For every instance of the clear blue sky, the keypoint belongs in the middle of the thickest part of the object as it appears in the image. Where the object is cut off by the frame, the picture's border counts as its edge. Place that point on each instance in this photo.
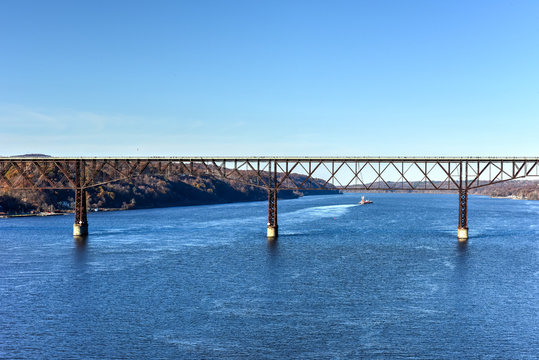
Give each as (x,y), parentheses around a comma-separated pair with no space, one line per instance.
(364,78)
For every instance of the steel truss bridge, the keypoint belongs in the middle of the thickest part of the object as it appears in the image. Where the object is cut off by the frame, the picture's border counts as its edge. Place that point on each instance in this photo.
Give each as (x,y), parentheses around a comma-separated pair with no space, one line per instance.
(272,173)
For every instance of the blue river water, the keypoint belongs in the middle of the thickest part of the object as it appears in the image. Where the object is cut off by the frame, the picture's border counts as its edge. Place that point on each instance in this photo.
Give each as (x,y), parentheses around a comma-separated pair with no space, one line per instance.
(387,280)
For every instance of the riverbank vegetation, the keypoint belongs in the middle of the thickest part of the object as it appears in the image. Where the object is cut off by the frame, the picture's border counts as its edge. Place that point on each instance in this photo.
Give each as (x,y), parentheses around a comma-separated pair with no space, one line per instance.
(516,189)
(145,191)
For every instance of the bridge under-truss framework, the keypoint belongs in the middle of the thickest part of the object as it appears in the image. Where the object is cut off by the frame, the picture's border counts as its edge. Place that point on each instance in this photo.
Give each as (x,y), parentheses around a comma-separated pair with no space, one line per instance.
(272,173)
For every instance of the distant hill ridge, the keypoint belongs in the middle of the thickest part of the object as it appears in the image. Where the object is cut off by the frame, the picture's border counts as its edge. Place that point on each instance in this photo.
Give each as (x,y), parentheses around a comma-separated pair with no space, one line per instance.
(31,155)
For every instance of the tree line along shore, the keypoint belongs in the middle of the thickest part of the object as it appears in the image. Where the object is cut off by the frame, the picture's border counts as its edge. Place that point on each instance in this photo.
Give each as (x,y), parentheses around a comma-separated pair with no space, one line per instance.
(147,191)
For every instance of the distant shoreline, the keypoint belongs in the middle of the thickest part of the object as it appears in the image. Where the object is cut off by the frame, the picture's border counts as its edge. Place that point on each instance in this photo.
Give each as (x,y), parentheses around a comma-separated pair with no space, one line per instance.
(69,212)
(5,216)
(471,192)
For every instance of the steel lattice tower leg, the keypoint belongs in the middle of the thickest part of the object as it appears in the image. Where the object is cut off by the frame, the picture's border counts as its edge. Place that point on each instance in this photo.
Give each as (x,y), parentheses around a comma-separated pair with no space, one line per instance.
(463,215)
(272,214)
(272,203)
(80,227)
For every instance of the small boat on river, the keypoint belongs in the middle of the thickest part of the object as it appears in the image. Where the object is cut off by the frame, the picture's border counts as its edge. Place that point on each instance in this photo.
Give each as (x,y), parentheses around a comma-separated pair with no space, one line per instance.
(364,202)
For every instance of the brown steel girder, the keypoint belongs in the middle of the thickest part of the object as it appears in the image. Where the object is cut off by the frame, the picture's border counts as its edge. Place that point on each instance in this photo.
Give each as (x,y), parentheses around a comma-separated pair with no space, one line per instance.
(405,174)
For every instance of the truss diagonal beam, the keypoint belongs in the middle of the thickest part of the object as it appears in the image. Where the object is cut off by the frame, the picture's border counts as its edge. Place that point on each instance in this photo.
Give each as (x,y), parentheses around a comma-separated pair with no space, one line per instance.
(293,173)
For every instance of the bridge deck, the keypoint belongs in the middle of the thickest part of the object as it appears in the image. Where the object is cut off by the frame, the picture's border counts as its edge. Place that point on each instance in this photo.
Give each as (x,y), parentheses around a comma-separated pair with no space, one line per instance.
(269,158)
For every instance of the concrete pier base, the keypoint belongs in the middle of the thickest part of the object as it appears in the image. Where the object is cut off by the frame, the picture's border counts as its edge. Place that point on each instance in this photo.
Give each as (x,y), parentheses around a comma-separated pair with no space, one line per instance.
(272,232)
(80,230)
(462,234)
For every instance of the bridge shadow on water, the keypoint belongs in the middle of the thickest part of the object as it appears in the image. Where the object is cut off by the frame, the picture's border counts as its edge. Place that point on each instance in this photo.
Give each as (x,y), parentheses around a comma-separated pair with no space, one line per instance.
(81,249)
(462,247)
(80,242)
(273,248)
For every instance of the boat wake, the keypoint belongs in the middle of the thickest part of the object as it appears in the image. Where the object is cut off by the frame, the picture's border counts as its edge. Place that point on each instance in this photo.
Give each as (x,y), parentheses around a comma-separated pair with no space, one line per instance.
(319,212)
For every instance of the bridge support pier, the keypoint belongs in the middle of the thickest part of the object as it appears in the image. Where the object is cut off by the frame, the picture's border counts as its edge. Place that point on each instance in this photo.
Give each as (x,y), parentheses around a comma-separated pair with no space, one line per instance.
(272,215)
(462,234)
(80,227)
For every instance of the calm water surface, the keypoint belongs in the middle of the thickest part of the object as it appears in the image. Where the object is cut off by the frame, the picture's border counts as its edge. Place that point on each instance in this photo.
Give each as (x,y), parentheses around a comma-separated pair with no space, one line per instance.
(343,281)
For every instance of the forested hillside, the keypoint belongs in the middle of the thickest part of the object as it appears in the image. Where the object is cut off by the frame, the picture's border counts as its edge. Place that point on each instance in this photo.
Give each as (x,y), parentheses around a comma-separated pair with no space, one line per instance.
(144,192)
(518,189)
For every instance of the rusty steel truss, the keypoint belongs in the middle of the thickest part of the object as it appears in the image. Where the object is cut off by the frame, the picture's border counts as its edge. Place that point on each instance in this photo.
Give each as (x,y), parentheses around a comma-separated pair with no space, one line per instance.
(272,173)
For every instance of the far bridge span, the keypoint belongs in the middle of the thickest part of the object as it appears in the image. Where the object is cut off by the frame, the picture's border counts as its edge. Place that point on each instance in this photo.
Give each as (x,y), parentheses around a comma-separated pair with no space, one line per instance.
(453,174)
